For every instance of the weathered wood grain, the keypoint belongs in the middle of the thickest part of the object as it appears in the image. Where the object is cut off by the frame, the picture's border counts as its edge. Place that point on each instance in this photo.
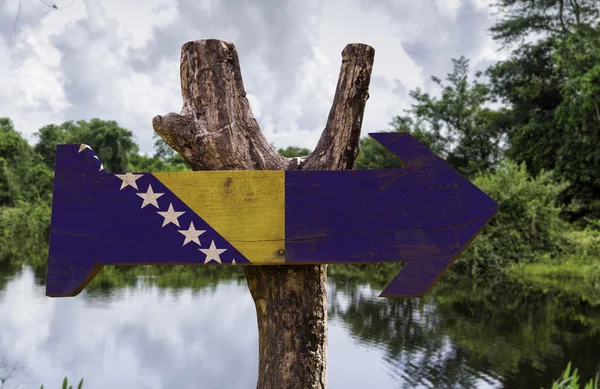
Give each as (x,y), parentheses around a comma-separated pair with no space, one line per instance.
(246,207)
(217,131)
(100,219)
(424,214)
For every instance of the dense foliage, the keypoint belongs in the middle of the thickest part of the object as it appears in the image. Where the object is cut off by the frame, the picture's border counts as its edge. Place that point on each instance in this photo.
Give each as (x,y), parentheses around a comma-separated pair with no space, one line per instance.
(527,228)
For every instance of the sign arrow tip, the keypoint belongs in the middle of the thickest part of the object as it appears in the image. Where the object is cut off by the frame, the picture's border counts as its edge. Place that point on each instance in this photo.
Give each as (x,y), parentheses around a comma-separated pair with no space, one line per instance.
(420,274)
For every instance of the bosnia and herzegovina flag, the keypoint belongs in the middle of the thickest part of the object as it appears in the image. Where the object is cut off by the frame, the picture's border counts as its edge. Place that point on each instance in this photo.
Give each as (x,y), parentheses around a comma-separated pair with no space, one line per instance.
(425,214)
(153,218)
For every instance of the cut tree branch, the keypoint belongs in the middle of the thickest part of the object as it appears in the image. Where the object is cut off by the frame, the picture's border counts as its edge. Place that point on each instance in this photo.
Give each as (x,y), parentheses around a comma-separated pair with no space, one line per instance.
(216,130)
(342,131)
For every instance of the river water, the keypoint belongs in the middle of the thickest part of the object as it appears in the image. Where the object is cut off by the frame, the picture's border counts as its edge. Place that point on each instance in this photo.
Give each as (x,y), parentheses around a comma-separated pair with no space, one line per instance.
(461,335)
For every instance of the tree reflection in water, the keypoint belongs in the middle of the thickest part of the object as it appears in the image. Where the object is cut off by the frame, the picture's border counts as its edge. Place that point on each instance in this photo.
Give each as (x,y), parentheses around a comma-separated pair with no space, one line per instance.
(464,332)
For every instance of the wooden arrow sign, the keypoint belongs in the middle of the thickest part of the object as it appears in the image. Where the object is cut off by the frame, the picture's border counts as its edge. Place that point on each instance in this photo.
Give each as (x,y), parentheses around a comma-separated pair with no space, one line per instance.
(425,214)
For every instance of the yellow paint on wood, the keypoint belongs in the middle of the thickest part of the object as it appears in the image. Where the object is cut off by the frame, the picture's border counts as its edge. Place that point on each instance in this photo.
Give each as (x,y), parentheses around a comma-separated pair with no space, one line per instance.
(246,207)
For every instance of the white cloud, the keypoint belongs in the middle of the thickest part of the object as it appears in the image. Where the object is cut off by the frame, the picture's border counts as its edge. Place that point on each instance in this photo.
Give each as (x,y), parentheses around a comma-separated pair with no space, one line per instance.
(119,60)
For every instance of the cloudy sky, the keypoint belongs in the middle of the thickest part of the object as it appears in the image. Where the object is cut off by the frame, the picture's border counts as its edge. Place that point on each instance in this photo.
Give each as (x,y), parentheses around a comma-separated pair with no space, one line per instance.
(119,60)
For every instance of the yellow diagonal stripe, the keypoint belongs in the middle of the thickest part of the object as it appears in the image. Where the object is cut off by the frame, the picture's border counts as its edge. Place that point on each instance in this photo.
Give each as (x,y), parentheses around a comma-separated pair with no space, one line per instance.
(246,207)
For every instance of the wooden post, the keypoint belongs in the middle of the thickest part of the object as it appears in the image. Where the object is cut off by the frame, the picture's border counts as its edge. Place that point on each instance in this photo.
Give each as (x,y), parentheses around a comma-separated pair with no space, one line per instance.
(216,130)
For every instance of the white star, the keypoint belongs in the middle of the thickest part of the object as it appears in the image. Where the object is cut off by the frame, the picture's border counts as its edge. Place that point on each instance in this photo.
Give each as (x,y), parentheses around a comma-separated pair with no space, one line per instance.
(150,197)
(129,179)
(171,216)
(212,253)
(233,262)
(83,147)
(191,234)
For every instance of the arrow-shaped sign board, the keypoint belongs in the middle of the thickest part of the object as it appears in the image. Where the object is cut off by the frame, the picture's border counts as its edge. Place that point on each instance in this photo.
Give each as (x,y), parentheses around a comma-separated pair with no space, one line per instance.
(425,214)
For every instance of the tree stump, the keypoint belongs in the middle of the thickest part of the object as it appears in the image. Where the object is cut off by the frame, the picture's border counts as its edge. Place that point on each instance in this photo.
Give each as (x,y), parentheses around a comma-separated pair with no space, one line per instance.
(216,130)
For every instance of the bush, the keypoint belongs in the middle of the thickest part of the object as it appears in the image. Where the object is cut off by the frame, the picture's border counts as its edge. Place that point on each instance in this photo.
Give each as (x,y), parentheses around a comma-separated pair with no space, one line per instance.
(586,241)
(527,226)
(25,233)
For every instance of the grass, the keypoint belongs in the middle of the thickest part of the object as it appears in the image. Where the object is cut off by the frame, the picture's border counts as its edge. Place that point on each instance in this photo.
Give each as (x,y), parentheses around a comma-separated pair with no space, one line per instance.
(568,270)
(65,383)
(570,380)
(573,276)
(582,265)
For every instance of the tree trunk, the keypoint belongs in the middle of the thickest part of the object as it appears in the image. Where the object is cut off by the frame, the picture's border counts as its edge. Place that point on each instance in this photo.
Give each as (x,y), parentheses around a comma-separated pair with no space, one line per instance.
(217,131)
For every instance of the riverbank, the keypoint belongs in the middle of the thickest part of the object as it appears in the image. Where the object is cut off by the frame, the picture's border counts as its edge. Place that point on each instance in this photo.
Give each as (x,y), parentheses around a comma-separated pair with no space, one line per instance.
(577,272)
(571,277)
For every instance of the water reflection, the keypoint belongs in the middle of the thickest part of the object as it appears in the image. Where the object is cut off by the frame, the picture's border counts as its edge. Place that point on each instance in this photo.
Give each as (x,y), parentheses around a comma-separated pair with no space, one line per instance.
(471,335)
(417,351)
(461,335)
(141,337)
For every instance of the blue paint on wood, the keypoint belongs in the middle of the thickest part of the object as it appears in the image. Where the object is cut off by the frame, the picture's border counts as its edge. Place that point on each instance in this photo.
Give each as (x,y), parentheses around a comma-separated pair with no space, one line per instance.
(95,223)
(424,214)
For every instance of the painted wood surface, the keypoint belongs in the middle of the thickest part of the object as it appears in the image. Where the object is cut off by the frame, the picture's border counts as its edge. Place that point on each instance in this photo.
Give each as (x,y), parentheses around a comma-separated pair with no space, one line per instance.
(425,214)
(246,207)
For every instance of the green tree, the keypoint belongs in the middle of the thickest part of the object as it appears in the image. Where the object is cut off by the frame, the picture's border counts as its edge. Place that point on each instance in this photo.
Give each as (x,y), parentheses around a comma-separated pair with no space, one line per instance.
(113,144)
(165,153)
(457,126)
(472,133)
(23,175)
(13,147)
(9,185)
(48,137)
(578,56)
(293,151)
(161,148)
(544,84)
(529,85)
(521,19)
(142,163)
(25,191)
(25,233)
